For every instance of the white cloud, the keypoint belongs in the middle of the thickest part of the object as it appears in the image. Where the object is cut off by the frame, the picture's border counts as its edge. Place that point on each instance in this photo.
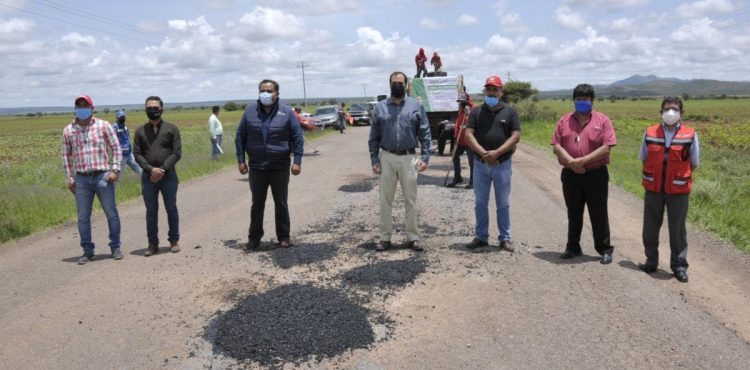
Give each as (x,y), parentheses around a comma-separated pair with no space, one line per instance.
(500,45)
(430,23)
(13,6)
(702,7)
(15,30)
(610,3)
(374,45)
(466,20)
(264,23)
(512,23)
(316,8)
(178,24)
(76,39)
(149,26)
(567,18)
(438,3)
(621,25)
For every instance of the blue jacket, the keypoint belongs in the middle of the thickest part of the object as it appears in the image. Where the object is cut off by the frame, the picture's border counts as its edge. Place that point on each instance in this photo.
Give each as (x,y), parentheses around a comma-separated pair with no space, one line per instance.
(269,139)
(123,134)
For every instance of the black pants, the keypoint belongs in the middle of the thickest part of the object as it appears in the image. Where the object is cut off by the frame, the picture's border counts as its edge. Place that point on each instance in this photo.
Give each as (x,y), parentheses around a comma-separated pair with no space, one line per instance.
(590,190)
(457,162)
(421,71)
(278,180)
(653,217)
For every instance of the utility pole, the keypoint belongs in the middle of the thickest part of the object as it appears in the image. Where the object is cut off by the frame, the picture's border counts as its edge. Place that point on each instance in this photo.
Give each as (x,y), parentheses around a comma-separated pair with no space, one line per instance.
(302,65)
(508,76)
(364,90)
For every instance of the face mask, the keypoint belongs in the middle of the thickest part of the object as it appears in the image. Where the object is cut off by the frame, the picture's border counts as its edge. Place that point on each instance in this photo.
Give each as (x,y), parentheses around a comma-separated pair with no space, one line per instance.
(398,91)
(670,117)
(266,98)
(83,113)
(491,101)
(153,112)
(121,121)
(583,106)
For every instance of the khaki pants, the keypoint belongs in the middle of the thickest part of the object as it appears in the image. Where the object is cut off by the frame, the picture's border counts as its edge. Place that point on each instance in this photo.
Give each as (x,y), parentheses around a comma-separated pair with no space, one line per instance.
(398,169)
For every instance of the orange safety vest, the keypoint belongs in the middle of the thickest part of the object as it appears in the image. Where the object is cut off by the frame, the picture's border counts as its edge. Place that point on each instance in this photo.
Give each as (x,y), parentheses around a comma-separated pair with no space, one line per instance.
(669,166)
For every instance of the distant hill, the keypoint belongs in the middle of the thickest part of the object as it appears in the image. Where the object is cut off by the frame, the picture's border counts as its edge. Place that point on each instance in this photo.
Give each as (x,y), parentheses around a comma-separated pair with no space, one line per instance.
(653,86)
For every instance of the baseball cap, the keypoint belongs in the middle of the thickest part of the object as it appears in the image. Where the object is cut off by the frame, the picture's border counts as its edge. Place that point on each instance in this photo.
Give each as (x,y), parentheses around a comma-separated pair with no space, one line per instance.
(494,81)
(86,98)
(120,113)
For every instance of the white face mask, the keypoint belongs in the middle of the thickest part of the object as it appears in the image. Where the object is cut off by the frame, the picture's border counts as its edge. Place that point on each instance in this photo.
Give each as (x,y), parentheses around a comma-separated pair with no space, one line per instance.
(670,117)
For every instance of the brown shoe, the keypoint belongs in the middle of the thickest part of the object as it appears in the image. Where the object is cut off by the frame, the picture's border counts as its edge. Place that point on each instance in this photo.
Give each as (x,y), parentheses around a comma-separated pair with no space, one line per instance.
(285,243)
(383,245)
(174,247)
(151,250)
(414,245)
(507,245)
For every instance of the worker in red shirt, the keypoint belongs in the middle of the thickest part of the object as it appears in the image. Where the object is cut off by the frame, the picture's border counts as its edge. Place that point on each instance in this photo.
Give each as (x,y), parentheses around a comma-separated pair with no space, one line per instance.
(465,106)
(436,62)
(420,60)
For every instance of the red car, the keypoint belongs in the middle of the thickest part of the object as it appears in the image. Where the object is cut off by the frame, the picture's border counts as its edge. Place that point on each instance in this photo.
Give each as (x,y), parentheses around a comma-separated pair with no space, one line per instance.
(307,123)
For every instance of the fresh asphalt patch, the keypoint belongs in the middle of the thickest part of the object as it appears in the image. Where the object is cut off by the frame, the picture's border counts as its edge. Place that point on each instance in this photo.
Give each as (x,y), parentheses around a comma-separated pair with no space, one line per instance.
(298,254)
(386,274)
(292,323)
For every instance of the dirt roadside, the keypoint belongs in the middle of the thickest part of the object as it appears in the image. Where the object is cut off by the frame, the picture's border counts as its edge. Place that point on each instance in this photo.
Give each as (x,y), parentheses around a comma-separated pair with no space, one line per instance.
(525,310)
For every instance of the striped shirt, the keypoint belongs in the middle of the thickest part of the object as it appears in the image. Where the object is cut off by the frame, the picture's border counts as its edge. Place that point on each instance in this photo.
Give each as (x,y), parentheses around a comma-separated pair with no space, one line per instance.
(87,146)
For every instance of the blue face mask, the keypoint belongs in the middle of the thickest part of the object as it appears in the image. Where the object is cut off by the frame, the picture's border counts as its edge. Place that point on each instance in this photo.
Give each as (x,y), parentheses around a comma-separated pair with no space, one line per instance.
(266,98)
(83,113)
(583,106)
(491,101)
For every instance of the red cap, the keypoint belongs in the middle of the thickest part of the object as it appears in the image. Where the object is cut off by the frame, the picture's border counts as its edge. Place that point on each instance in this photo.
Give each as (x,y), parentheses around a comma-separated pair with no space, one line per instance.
(494,81)
(86,98)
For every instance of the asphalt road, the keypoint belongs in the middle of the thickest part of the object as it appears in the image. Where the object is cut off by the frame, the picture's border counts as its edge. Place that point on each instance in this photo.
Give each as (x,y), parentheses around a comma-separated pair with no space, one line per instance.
(526,310)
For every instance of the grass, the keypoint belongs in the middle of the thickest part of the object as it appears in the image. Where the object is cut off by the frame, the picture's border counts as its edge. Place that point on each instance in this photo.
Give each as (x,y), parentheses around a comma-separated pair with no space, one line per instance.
(720,201)
(33,192)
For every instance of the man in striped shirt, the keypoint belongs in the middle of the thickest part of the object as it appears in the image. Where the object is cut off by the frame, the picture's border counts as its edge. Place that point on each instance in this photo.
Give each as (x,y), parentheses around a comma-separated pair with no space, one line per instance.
(89,171)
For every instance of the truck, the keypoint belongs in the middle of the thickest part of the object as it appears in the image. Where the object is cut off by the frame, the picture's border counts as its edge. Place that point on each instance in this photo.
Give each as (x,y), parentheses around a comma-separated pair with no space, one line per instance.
(439,96)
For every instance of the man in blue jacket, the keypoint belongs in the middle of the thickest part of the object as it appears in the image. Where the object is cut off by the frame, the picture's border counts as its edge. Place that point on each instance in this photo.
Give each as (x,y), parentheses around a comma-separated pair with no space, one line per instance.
(269,132)
(123,134)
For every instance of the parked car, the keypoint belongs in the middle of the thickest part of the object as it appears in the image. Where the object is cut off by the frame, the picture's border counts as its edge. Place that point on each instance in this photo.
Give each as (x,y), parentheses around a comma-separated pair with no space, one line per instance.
(307,122)
(360,114)
(327,115)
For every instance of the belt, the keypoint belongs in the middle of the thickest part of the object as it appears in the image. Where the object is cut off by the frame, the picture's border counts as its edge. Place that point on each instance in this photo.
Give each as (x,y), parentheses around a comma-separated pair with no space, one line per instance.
(401,152)
(90,173)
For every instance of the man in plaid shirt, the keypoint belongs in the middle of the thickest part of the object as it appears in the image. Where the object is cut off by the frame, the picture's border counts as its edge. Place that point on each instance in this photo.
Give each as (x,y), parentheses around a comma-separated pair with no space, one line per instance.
(89,172)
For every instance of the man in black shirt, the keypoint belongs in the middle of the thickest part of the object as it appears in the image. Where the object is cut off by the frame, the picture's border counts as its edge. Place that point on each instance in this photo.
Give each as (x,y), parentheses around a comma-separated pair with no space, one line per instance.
(157,148)
(493,131)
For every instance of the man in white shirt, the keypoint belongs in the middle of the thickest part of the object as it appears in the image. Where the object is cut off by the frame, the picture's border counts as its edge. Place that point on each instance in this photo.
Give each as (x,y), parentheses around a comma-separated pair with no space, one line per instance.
(216,132)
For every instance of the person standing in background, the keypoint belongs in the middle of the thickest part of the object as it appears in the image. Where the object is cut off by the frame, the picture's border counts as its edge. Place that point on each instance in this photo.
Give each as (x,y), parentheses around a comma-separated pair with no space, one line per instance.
(123,135)
(216,131)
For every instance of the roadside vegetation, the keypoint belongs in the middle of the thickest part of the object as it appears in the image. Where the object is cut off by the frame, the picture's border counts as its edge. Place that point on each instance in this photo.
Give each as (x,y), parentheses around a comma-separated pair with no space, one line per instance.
(33,192)
(720,201)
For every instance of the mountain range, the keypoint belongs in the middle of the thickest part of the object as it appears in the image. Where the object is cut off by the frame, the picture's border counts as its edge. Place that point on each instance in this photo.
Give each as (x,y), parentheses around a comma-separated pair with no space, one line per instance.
(654,86)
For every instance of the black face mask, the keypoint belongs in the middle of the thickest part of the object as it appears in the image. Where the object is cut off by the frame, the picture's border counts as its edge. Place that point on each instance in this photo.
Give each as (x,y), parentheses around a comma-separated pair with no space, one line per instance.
(153,113)
(121,121)
(398,91)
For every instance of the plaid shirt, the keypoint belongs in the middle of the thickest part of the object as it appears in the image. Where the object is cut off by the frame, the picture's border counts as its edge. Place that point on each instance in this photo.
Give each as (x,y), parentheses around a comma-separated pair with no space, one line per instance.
(87,146)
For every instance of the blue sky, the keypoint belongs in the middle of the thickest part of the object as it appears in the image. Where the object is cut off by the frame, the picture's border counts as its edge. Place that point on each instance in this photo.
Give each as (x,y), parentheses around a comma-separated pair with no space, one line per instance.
(121,52)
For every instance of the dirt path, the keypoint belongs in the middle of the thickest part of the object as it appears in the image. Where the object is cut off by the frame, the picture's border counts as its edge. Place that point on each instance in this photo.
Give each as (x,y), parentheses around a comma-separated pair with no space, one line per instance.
(527,310)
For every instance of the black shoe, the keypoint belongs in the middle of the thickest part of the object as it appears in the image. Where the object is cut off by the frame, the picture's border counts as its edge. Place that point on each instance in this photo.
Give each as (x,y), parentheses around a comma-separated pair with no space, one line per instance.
(252,244)
(476,244)
(85,259)
(470,185)
(383,245)
(681,276)
(647,269)
(568,254)
(414,245)
(455,182)
(606,258)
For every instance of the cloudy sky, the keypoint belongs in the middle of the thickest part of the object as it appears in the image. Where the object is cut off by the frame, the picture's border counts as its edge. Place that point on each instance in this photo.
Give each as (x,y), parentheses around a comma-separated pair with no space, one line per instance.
(198,50)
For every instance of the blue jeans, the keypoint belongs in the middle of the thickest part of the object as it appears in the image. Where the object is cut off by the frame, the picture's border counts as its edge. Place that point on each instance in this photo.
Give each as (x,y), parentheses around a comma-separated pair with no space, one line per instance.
(129,159)
(86,188)
(484,176)
(168,188)
(215,145)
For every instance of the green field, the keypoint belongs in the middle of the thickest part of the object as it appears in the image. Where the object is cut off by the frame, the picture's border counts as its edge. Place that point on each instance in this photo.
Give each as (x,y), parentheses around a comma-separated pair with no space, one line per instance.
(33,192)
(720,201)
